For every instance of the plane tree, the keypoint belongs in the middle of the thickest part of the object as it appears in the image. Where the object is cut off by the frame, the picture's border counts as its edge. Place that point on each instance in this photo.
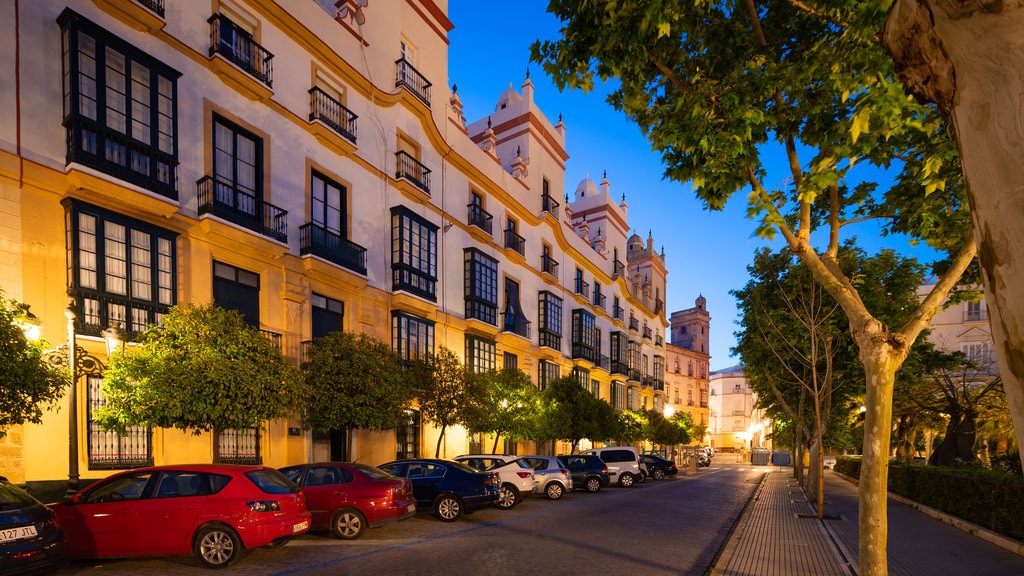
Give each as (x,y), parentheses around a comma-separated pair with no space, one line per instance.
(508,407)
(722,89)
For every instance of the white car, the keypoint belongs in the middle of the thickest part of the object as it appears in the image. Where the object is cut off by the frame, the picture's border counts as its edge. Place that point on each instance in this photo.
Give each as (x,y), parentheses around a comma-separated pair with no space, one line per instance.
(516,476)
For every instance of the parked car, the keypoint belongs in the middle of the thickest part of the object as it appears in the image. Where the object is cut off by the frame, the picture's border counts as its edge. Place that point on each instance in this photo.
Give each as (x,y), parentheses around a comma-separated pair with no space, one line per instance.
(213,511)
(515,475)
(658,467)
(588,472)
(448,488)
(552,479)
(31,540)
(624,465)
(347,498)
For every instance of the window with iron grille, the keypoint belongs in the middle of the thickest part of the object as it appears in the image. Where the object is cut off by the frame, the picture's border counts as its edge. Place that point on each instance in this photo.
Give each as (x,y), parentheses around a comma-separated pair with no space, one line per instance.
(413,254)
(411,336)
(480,354)
(328,315)
(120,107)
(240,446)
(109,450)
(549,318)
(237,289)
(407,436)
(546,372)
(121,271)
(481,289)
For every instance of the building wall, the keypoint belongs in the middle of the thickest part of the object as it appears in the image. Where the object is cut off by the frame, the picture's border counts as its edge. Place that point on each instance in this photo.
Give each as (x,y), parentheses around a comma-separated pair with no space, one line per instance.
(507,164)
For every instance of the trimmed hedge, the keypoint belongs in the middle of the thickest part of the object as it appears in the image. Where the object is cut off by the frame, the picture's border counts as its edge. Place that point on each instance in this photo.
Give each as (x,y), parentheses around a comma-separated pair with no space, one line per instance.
(988,498)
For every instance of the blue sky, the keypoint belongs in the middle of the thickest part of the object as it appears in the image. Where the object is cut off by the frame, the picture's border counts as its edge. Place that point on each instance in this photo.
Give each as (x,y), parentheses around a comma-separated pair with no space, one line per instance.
(706,252)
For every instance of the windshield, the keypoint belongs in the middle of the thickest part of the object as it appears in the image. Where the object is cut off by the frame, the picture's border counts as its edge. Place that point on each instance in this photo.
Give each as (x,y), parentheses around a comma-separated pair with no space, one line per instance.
(14,498)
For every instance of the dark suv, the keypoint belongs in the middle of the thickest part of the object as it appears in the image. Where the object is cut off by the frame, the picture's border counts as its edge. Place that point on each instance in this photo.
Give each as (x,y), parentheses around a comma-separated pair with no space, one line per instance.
(588,472)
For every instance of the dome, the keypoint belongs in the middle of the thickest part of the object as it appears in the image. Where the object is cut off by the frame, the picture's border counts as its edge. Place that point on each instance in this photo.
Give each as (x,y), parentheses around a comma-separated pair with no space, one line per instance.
(508,97)
(586,187)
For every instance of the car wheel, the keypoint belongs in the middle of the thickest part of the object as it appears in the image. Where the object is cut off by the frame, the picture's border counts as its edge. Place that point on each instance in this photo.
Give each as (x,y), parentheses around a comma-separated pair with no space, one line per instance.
(348,524)
(626,480)
(554,491)
(216,546)
(448,508)
(658,474)
(593,484)
(508,497)
(641,477)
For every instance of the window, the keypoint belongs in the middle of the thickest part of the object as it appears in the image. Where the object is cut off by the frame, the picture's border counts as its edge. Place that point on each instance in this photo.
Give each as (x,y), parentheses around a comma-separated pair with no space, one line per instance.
(481,274)
(238,172)
(328,315)
(977,352)
(633,359)
(480,354)
(477,215)
(237,289)
(618,395)
(547,371)
(973,312)
(120,107)
(514,319)
(581,375)
(659,372)
(238,447)
(549,318)
(413,254)
(618,353)
(595,388)
(122,271)
(582,287)
(632,398)
(512,238)
(510,361)
(328,205)
(411,336)
(109,450)
(407,436)
(584,336)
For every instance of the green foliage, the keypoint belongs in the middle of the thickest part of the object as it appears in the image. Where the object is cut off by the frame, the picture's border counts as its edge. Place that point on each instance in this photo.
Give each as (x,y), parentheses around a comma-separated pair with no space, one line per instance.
(572,413)
(28,385)
(205,368)
(355,381)
(631,426)
(667,431)
(509,406)
(447,391)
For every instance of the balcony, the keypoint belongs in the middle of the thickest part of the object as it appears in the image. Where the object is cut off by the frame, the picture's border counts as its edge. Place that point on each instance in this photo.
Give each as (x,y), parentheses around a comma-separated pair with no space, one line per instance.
(480,218)
(319,241)
(659,340)
(408,77)
(515,242)
(587,353)
(274,337)
(659,305)
(549,205)
(618,313)
(410,169)
(647,333)
(516,325)
(618,268)
(236,45)
(324,108)
(114,153)
(549,339)
(548,265)
(634,324)
(634,375)
(582,288)
(599,300)
(603,362)
(619,367)
(238,206)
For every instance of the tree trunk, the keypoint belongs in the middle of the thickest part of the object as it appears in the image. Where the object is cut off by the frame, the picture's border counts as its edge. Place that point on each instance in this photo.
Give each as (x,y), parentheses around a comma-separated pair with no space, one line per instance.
(494,448)
(440,439)
(968,58)
(880,369)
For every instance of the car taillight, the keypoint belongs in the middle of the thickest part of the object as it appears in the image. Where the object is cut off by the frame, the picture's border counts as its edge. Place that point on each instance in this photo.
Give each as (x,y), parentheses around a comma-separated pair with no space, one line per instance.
(524,474)
(263,505)
(491,480)
(604,469)
(564,472)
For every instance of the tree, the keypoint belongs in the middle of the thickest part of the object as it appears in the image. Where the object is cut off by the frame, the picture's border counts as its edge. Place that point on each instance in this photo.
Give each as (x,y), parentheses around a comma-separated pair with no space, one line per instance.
(714,86)
(204,369)
(631,424)
(667,431)
(355,381)
(510,406)
(28,384)
(572,413)
(447,393)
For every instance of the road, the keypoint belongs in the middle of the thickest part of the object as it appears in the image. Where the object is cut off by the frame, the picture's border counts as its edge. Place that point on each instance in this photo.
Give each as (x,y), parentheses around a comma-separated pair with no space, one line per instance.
(675,526)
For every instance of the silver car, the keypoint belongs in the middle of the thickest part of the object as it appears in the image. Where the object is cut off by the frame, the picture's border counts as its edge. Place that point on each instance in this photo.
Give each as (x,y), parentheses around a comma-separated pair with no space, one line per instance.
(553,479)
(516,476)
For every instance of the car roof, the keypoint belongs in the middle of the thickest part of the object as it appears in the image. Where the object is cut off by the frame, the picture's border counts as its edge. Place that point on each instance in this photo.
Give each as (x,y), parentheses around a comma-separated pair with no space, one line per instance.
(201,468)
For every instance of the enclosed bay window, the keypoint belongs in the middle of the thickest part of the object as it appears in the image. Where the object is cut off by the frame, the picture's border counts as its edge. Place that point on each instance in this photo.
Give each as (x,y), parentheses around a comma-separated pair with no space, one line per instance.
(481,354)
(481,288)
(411,336)
(413,254)
(549,320)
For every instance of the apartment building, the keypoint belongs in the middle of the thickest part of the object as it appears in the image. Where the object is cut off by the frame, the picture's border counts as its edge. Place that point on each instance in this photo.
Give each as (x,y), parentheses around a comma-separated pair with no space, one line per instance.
(736,424)
(687,381)
(308,164)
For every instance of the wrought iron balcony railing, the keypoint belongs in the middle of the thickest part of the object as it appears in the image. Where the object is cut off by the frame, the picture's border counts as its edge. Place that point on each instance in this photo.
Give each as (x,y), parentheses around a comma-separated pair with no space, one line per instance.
(618,313)
(155,6)
(410,169)
(549,265)
(479,217)
(549,338)
(324,108)
(515,242)
(659,340)
(634,324)
(583,288)
(274,337)
(600,300)
(659,304)
(516,325)
(226,201)
(408,77)
(236,45)
(618,268)
(549,205)
(604,362)
(585,352)
(319,241)
(647,332)
(619,367)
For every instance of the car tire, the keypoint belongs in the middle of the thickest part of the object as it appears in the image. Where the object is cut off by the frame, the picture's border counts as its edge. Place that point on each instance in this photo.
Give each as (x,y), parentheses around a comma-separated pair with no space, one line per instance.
(348,524)
(448,508)
(593,484)
(216,546)
(554,491)
(627,480)
(508,497)
(658,474)
(641,477)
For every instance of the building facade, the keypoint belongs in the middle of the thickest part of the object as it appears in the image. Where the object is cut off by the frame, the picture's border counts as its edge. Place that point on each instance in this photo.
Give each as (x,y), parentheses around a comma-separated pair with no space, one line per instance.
(308,164)
(736,424)
(687,383)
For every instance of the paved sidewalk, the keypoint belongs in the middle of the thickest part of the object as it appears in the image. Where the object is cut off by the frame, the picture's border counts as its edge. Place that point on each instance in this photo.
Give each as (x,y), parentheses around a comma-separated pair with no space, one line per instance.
(779,535)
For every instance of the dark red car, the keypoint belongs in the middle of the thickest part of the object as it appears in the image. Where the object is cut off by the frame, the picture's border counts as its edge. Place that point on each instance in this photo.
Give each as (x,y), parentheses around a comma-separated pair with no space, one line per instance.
(349,498)
(213,511)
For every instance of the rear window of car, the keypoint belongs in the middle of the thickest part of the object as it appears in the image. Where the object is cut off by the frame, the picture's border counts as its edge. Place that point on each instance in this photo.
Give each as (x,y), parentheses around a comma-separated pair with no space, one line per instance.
(271,481)
(372,472)
(14,498)
(618,456)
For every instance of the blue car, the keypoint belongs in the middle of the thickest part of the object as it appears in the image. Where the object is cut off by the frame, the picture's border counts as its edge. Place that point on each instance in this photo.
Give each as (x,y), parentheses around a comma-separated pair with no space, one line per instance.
(31,542)
(448,488)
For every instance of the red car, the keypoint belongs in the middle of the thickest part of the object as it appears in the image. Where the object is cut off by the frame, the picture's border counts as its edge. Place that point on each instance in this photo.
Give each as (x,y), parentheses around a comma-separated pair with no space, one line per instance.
(348,498)
(213,511)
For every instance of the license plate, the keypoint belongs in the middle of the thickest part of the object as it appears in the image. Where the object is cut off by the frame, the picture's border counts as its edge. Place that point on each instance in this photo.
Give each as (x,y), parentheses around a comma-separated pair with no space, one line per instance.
(410,508)
(300,526)
(18,533)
